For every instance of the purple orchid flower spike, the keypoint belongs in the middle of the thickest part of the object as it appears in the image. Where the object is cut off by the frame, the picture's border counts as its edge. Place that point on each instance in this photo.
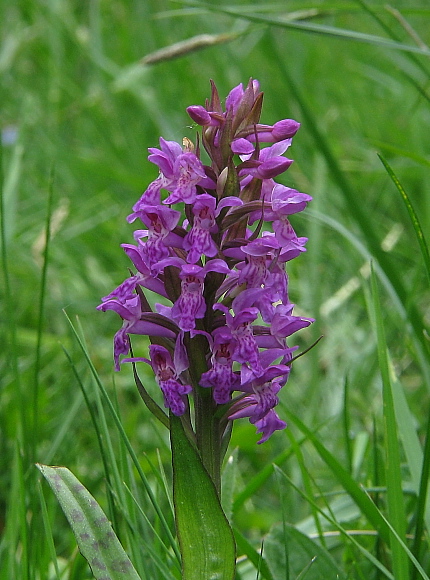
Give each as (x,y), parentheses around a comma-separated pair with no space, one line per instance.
(220,332)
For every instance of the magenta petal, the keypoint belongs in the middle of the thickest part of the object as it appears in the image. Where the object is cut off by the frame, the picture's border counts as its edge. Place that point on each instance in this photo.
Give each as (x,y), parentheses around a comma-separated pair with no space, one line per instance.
(268,425)
(242,147)
(285,129)
(273,167)
(199,115)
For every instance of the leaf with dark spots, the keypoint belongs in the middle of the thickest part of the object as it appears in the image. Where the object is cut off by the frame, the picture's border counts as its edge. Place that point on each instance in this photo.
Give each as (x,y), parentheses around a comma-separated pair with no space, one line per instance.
(93,531)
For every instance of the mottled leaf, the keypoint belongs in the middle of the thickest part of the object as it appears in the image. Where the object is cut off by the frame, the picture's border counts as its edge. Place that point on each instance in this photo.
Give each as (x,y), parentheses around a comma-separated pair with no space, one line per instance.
(96,539)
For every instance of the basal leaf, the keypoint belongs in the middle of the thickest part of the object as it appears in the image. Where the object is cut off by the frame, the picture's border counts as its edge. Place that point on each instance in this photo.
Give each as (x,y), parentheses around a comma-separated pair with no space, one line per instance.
(96,539)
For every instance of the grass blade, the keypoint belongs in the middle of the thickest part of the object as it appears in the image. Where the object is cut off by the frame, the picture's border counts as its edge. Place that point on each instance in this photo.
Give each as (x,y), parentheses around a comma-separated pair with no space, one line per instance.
(357,493)
(396,508)
(40,322)
(305,558)
(306,478)
(127,443)
(368,555)
(164,567)
(418,462)
(390,32)
(261,477)
(48,531)
(355,208)
(286,22)
(421,511)
(376,563)
(413,216)
(244,547)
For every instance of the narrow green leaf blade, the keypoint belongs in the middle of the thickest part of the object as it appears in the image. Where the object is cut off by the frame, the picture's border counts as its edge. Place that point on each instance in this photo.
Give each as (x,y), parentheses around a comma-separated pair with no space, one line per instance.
(245,547)
(395,500)
(205,536)
(122,434)
(306,559)
(94,534)
(291,21)
(334,522)
(412,215)
(229,476)
(257,481)
(355,490)
(418,462)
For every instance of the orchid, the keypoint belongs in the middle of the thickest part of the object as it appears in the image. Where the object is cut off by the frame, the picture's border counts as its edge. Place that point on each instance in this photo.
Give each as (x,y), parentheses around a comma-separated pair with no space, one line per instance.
(223,273)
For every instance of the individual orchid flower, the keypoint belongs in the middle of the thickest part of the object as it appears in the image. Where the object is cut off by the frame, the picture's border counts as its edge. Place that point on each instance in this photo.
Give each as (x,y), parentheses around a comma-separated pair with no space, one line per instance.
(188,172)
(259,408)
(199,240)
(130,310)
(166,376)
(191,304)
(246,349)
(221,376)
(160,221)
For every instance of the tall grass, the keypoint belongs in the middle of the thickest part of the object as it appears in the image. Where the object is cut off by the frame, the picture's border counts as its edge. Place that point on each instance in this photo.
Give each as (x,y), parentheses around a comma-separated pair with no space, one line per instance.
(79,110)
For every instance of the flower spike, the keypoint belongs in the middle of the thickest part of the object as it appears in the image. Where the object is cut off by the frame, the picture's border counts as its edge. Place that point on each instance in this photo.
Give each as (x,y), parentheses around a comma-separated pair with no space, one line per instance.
(220,334)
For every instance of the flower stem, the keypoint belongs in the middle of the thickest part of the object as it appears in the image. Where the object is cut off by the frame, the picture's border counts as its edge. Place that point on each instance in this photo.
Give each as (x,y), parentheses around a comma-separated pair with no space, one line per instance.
(207,426)
(208,434)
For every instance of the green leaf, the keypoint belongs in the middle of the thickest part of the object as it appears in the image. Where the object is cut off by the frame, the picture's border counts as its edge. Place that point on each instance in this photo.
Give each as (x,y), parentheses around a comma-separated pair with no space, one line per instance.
(418,462)
(306,559)
(412,215)
(375,562)
(355,209)
(229,476)
(355,490)
(122,434)
(245,547)
(294,20)
(395,500)
(205,536)
(48,531)
(259,479)
(94,534)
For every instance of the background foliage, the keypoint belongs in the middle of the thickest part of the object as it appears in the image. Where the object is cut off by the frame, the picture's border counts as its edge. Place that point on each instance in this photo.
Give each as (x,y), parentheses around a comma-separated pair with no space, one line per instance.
(79,110)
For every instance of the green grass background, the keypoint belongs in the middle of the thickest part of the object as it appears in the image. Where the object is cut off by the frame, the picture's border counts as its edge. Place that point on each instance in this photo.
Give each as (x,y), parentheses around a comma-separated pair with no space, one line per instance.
(84,110)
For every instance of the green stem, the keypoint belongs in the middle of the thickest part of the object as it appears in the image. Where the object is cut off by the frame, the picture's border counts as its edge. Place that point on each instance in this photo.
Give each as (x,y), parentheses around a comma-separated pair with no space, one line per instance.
(207,426)
(208,434)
